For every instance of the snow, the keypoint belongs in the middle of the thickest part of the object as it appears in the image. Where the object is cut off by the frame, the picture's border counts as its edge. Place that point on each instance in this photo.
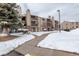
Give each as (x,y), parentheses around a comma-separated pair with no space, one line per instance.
(41,33)
(3,34)
(66,41)
(17,34)
(28,54)
(7,46)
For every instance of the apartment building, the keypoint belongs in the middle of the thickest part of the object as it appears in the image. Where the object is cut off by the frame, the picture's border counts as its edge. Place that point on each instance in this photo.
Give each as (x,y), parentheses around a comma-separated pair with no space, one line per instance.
(69,25)
(35,23)
(49,23)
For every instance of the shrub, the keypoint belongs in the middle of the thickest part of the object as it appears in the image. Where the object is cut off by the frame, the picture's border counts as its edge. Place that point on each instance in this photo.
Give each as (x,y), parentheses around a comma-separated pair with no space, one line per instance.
(66,30)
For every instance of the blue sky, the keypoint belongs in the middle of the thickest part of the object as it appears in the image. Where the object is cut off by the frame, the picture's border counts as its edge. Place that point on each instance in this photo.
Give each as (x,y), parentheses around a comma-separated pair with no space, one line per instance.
(69,11)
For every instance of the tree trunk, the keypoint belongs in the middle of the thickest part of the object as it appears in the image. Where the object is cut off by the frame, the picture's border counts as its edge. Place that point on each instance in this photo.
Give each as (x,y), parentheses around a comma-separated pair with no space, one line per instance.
(5,31)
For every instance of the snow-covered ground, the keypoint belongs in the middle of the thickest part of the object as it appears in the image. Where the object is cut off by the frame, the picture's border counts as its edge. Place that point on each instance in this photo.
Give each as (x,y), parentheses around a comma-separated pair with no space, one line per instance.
(41,33)
(17,34)
(28,54)
(67,41)
(7,46)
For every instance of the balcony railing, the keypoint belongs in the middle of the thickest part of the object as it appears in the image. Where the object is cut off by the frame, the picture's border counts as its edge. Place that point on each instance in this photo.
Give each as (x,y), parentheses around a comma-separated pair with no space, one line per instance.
(34,23)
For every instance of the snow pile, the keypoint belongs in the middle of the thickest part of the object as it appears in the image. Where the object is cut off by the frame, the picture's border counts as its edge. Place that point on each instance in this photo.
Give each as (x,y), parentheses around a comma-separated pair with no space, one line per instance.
(76,30)
(7,46)
(3,34)
(67,41)
(41,33)
(17,34)
(28,54)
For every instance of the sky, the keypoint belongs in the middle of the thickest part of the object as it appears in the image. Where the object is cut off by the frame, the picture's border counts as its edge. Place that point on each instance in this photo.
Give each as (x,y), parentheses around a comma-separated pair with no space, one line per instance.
(68,11)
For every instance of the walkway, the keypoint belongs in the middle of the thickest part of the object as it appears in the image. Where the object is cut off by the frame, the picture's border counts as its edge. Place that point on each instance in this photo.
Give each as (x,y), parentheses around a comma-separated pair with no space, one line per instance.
(31,48)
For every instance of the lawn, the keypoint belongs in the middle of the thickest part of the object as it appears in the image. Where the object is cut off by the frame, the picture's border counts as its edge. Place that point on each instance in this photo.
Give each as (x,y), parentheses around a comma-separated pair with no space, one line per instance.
(6,38)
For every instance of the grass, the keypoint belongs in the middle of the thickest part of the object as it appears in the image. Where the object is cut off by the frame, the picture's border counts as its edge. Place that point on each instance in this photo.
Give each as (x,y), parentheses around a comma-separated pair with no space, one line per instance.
(6,38)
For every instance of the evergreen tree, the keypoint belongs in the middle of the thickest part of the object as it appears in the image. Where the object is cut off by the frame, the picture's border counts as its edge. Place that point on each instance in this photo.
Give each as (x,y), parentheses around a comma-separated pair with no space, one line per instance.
(9,18)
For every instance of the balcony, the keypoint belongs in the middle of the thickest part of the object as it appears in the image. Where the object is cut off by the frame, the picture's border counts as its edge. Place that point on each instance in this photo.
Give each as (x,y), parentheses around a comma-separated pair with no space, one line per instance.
(34,17)
(34,23)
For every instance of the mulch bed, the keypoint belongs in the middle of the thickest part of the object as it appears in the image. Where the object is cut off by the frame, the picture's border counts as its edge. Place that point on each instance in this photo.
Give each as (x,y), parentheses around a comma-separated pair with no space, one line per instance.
(6,38)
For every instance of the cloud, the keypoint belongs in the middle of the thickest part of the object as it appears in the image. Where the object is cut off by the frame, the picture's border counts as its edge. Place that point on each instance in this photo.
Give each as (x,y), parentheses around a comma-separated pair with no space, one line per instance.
(69,11)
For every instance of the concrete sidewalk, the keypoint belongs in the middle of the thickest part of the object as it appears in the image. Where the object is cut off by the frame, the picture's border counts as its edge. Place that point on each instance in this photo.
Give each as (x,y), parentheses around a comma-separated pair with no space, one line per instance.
(31,47)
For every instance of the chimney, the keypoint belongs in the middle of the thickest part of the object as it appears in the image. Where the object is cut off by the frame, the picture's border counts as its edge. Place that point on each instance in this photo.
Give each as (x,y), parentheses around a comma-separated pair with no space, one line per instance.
(49,17)
(52,17)
(28,10)
(28,19)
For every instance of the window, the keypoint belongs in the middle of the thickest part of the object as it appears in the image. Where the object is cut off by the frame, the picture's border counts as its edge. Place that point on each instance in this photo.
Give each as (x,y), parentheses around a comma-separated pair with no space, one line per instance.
(43,19)
(76,26)
(76,23)
(34,29)
(73,27)
(34,23)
